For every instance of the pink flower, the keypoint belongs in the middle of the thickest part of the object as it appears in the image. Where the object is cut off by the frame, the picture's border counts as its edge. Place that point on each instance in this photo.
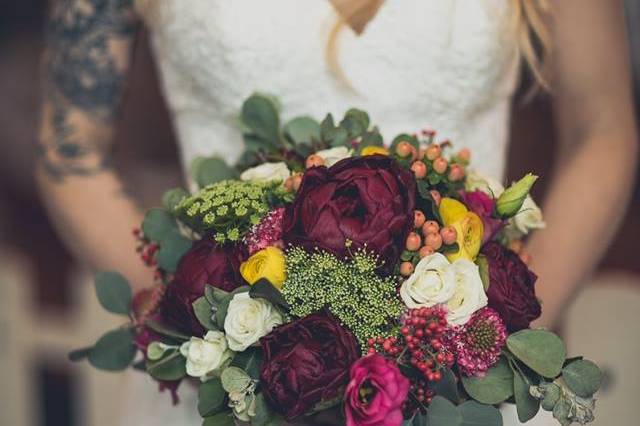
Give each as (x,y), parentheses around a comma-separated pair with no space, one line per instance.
(266,233)
(478,343)
(483,205)
(376,392)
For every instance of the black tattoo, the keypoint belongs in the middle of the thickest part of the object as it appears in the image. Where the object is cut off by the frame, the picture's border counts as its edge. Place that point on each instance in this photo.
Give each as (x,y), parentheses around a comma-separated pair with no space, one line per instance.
(84,77)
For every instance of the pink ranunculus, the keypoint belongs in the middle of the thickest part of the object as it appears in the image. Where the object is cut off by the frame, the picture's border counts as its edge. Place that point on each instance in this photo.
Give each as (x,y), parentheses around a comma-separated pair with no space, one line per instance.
(375,393)
(483,205)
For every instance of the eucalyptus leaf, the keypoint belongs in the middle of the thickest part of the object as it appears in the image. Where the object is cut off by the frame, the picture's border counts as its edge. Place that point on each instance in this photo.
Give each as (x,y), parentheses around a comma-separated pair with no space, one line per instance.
(170,367)
(443,413)
(158,224)
(260,114)
(250,361)
(583,377)
(265,290)
(494,387)
(526,405)
(165,330)
(446,387)
(208,170)
(235,379)
(79,354)
(172,197)
(114,292)
(302,130)
(114,351)
(476,414)
(204,313)
(172,248)
(156,350)
(540,350)
(211,398)
(327,128)
(263,416)
(214,295)
(221,419)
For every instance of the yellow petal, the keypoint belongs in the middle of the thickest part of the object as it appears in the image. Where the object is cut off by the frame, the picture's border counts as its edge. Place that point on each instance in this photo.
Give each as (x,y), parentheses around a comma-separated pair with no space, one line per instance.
(371,150)
(451,210)
(470,230)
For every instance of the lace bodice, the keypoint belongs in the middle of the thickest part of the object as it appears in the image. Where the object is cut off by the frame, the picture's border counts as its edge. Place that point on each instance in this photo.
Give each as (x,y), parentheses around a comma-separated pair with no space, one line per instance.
(449,64)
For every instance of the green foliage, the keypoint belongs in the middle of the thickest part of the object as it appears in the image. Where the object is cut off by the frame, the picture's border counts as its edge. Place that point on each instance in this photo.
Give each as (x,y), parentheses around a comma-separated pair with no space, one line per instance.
(495,387)
(221,419)
(171,366)
(443,413)
(81,354)
(160,226)
(172,197)
(302,130)
(526,405)
(208,170)
(263,289)
(260,117)
(250,361)
(114,351)
(211,398)
(447,387)
(114,292)
(264,416)
(166,331)
(483,268)
(228,209)
(171,251)
(583,377)
(235,379)
(350,289)
(540,350)
(203,311)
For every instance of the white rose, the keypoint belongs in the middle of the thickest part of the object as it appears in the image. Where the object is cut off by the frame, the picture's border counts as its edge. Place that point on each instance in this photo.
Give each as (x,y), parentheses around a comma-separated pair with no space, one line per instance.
(205,355)
(333,155)
(528,217)
(248,320)
(478,182)
(267,172)
(432,282)
(469,295)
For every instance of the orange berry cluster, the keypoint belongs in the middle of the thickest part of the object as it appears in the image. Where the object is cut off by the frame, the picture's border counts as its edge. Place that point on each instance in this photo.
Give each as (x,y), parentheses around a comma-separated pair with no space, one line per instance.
(430,158)
(427,238)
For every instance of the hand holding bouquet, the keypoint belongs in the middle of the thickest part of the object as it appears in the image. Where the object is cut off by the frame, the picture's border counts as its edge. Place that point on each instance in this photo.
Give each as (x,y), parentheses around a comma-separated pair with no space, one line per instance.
(329,270)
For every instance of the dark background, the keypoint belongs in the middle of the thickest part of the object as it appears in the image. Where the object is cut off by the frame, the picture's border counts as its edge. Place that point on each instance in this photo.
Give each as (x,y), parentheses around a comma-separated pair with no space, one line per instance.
(146,153)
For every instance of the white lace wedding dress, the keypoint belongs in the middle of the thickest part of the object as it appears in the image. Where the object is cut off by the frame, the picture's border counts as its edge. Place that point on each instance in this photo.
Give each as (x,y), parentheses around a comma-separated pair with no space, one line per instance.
(450,64)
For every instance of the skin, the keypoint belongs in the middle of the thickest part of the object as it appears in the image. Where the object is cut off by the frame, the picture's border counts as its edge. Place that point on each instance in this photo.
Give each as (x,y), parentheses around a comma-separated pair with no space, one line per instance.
(596,128)
(598,150)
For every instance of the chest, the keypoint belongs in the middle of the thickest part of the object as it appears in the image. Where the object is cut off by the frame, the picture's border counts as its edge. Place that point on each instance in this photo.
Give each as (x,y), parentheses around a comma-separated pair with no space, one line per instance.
(414,52)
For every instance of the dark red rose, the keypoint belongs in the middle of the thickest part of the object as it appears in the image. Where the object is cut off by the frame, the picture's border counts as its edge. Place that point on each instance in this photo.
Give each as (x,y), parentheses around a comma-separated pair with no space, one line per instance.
(367,200)
(204,263)
(511,287)
(306,362)
(483,205)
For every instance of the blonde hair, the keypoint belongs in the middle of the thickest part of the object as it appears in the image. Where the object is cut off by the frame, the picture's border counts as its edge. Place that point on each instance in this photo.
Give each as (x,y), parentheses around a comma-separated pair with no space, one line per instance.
(529,22)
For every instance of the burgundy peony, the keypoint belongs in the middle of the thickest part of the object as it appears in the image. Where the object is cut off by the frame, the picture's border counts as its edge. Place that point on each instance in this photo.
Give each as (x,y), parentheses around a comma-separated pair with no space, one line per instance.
(367,200)
(511,287)
(306,362)
(376,392)
(483,205)
(204,263)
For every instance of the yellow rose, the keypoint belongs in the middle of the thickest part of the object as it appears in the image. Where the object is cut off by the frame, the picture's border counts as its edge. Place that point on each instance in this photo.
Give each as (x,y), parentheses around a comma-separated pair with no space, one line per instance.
(267,263)
(372,150)
(468,226)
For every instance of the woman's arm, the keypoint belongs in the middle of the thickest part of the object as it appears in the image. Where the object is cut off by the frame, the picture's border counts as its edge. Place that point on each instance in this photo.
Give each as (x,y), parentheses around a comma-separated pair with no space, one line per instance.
(88,52)
(597,158)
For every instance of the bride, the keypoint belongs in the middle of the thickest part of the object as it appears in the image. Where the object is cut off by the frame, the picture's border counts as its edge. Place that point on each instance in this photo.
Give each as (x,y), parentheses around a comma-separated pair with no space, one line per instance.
(451,64)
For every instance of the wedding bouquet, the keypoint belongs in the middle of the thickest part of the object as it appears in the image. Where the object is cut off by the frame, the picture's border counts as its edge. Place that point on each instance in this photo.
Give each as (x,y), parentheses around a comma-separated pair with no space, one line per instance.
(328,270)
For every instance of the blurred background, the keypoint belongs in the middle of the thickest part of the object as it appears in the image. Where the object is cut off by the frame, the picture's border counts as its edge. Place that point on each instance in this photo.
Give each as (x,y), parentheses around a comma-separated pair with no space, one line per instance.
(47,305)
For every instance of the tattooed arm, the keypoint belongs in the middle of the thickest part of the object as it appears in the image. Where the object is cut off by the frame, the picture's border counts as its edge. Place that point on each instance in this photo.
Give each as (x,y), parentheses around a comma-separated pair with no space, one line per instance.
(88,52)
